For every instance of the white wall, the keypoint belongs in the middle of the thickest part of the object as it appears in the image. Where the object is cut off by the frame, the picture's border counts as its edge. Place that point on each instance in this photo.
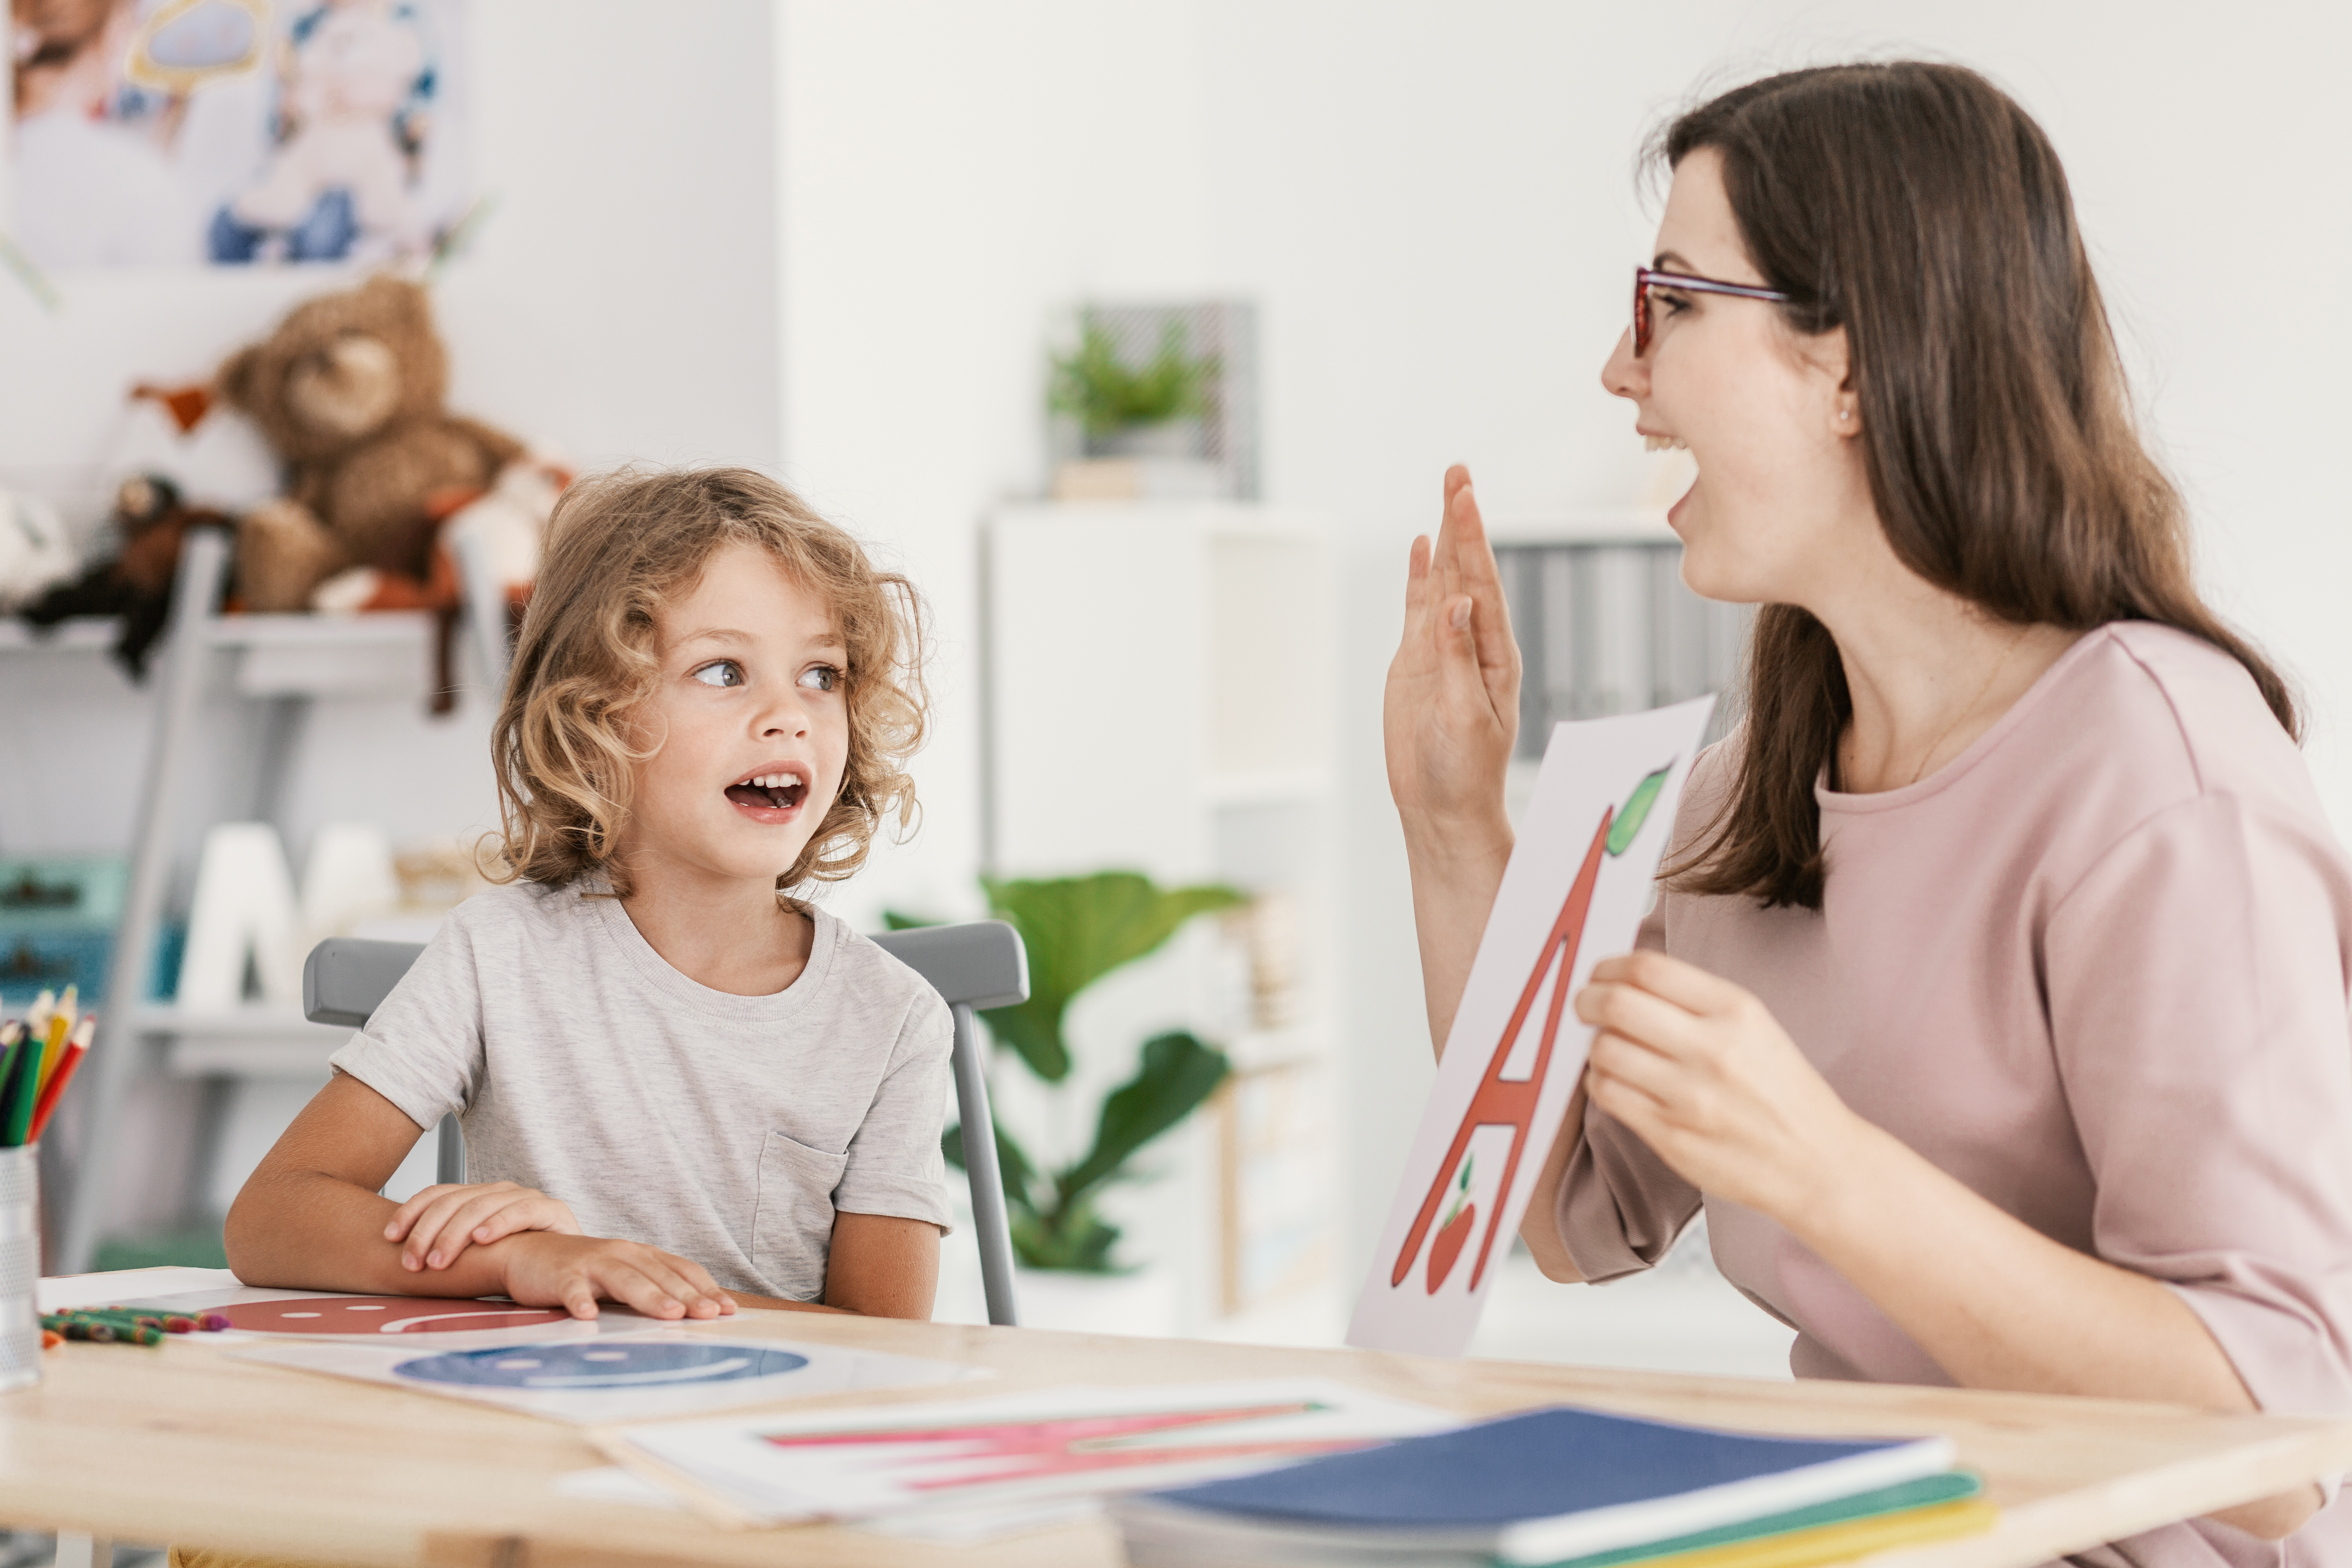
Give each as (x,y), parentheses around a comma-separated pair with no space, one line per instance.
(1435,208)
(621,303)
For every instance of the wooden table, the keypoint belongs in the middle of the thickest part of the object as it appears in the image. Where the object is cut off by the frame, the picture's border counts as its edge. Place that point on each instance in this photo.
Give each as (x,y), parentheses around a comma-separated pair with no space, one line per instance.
(178,1444)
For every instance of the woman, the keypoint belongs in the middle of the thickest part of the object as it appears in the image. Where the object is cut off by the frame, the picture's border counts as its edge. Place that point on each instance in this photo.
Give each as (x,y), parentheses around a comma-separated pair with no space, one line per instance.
(1995,1006)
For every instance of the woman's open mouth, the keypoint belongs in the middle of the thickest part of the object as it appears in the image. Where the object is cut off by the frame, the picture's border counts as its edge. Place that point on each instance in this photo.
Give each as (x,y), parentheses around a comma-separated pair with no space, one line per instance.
(769,797)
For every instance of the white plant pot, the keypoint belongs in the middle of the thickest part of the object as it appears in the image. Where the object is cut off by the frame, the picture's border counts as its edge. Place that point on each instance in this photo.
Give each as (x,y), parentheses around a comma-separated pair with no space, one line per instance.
(1144,1302)
(1169,439)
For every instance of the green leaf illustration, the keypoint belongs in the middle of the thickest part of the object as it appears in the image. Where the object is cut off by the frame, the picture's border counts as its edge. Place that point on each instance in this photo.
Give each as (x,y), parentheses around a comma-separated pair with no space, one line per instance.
(1628,826)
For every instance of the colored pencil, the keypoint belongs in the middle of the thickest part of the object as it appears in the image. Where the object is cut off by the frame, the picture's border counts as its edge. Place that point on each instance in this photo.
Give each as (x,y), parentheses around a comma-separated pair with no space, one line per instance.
(54,1045)
(13,1041)
(17,1094)
(54,1089)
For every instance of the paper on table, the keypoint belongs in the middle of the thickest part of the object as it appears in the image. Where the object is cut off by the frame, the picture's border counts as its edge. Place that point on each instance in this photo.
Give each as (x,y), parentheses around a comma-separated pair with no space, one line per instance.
(1574,893)
(456,1323)
(622,1377)
(1009,1452)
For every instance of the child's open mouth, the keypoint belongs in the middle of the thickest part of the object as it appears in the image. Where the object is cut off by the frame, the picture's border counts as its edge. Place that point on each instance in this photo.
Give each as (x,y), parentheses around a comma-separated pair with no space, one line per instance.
(769,797)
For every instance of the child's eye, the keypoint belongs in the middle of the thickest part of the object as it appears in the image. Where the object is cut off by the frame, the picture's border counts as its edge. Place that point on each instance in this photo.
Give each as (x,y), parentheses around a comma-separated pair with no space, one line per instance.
(720,672)
(821,678)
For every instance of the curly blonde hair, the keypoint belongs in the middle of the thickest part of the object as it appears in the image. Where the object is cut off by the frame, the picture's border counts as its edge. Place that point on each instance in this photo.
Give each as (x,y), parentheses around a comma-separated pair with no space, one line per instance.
(620,547)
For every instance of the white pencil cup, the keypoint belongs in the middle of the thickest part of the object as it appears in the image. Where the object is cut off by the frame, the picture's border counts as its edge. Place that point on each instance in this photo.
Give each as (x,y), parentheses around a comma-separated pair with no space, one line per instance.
(20,1268)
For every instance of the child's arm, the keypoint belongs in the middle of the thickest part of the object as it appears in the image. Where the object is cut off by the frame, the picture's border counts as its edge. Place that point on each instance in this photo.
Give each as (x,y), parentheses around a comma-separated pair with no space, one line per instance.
(879,1266)
(310,1218)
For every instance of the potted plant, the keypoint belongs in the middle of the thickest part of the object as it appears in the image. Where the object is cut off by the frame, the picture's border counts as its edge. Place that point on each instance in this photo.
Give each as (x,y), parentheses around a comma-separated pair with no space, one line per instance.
(1130,411)
(1077,930)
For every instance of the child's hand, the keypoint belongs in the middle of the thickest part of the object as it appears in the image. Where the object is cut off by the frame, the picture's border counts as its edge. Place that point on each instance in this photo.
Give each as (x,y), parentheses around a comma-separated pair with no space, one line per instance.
(573,1271)
(441,1222)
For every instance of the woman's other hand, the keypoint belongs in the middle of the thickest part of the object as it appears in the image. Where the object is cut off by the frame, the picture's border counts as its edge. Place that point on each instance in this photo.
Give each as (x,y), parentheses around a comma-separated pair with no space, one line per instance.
(440,1222)
(1704,1075)
(1449,718)
(1451,713)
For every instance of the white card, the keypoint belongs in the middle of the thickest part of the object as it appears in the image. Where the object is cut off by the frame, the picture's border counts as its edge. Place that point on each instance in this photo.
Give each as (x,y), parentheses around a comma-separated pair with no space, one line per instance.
(1574,893)
(632,1377)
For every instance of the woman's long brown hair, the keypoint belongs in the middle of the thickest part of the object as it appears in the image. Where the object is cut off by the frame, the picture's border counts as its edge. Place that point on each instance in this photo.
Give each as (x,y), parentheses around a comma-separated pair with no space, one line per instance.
(1918,207)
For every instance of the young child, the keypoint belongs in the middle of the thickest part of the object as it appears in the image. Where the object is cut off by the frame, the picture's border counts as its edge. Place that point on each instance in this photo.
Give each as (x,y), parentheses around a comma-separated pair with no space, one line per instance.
(681,1087)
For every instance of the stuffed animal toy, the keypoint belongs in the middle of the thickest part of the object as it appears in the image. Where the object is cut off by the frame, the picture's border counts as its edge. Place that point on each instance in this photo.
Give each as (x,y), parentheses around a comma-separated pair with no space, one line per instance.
(348,392)
(34,550)
(136,585)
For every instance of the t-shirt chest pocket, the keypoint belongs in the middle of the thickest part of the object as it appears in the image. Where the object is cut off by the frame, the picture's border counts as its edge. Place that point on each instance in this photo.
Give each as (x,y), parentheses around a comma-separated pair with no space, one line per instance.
(791,1226)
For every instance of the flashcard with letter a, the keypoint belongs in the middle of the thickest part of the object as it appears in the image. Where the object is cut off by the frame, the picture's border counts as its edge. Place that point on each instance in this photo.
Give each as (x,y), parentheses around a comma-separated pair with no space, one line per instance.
(1574,893)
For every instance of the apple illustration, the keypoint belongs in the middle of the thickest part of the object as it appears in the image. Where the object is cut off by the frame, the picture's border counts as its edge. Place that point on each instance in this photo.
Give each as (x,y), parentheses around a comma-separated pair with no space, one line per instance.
(1455,1233)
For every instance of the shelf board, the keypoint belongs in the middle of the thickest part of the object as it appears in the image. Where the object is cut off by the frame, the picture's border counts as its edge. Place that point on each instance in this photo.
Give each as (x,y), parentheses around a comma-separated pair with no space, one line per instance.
(246,1021)
(373,628)
(78,634)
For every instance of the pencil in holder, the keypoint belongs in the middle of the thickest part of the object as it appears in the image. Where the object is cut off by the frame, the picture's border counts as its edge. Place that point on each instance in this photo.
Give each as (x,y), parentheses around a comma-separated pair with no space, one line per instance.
(20,1268)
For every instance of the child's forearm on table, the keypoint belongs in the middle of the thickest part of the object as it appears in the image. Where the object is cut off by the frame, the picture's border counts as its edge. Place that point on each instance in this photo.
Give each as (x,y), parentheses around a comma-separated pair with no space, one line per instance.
(311,1231)
(786,1304)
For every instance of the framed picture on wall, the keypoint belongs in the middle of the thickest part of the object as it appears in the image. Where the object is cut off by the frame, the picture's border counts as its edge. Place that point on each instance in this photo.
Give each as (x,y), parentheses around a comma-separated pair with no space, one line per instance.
(235,133)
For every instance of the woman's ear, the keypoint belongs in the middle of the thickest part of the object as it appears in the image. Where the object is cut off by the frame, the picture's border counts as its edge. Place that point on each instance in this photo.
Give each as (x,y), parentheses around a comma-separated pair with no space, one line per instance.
(1832,367)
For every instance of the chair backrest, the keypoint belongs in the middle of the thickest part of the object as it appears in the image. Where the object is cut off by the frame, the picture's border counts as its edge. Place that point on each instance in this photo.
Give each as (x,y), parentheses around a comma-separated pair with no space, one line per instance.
(982,964)
(979,965)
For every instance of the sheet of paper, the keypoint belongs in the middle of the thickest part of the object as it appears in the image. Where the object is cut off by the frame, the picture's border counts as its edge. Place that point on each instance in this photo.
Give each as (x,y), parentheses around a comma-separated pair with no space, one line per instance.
(457,1323)
(1574,893)
(978,1467)
(639,1376)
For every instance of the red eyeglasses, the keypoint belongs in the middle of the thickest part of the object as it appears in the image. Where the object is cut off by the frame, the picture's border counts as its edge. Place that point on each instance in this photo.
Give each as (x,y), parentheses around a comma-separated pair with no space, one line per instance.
(1646,278)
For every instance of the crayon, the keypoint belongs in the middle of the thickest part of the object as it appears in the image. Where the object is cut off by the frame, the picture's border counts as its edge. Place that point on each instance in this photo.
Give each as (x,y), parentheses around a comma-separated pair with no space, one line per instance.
(51,1339)
(214,1322)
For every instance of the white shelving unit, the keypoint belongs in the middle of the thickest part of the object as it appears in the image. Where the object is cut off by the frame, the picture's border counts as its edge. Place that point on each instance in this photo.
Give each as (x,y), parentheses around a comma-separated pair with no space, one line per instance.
(283,661)
(1161,693)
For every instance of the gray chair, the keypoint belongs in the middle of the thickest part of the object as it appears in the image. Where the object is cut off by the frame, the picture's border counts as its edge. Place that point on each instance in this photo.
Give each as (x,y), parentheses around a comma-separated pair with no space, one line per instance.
(971,966)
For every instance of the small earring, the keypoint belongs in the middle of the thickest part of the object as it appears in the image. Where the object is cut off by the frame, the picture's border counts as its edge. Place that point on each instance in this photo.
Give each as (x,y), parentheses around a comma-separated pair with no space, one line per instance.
(1844,414)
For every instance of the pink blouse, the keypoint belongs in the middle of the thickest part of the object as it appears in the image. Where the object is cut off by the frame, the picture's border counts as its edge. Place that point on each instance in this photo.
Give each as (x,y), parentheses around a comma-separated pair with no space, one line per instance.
(2096,968)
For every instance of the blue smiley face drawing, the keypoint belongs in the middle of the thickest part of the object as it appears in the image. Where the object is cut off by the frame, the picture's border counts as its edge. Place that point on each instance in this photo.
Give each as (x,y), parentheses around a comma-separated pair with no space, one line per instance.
(601,1363)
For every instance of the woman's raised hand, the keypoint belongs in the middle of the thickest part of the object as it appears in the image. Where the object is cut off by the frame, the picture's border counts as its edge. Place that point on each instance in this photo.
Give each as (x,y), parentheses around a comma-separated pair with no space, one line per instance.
(1451,712)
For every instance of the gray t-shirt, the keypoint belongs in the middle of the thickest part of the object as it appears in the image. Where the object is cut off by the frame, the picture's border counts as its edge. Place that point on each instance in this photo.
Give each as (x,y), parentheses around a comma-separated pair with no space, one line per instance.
(725,1128)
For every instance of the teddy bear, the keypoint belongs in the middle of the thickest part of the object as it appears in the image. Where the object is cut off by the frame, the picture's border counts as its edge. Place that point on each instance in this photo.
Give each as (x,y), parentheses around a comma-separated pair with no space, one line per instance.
(348,392)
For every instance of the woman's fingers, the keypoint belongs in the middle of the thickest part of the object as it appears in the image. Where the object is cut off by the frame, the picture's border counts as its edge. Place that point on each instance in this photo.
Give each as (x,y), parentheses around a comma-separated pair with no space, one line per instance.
(1629,1102)
(1476,574)
(1616,1058)
(1684,984)
(1642,1017)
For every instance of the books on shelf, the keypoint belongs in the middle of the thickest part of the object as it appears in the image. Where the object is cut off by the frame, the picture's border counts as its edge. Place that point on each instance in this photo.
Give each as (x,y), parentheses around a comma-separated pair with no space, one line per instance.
(1567,1488)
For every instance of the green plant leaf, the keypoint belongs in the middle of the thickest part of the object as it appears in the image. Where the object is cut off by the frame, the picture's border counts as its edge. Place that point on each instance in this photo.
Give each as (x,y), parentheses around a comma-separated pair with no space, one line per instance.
(1076,1240)
(1636,810)
(1177,1073)
(893,920)
(1107,394)
(1077,930)
(1018,1176)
